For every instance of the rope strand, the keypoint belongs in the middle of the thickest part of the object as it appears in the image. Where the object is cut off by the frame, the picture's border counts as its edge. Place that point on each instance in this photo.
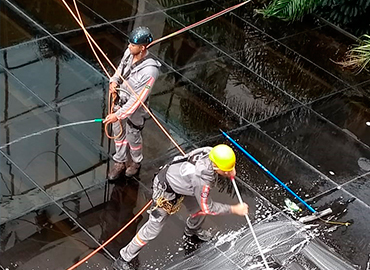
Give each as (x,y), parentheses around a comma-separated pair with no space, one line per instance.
(110,239)
(93,43)
(124,81)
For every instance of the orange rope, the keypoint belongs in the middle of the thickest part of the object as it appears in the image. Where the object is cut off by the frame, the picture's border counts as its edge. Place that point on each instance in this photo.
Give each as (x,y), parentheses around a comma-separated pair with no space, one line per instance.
(92,42)
(110,103)
(214,16)
(124,81)
(110,239)
(90,39)
(110,109)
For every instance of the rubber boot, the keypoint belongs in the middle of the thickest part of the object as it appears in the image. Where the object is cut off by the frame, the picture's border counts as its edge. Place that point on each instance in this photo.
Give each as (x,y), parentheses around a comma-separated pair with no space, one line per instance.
(202,234)
(116,170)
(132,169)
(121,264)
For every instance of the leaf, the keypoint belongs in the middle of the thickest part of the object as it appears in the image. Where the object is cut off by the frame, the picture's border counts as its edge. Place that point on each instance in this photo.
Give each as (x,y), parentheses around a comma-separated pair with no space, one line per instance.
(289,10)
(358,58)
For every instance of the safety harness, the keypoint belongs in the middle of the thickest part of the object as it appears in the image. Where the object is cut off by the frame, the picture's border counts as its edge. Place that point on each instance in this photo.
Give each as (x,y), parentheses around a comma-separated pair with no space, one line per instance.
(170,206)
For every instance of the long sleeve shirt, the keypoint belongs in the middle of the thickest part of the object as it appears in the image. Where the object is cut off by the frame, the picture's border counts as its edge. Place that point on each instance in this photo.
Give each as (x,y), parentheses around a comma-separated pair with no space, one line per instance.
(140,76)
(196,180)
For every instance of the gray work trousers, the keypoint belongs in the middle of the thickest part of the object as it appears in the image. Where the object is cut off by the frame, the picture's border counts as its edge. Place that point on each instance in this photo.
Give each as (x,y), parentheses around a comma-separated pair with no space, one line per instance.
(157,219)
(130,142)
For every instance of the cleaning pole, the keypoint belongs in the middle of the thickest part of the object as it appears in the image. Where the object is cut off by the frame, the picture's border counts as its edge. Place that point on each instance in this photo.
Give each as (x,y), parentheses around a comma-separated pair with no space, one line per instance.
(314,216)
(249,223)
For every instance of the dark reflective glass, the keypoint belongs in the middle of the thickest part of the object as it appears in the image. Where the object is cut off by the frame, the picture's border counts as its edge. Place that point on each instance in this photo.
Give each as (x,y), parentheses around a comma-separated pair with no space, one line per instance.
(274,86)
(51,71)
(15,28)
(46,238)
(53,16)
(320,145)
(18,194)
(359,187)
(349,110)
(347,207)
(118,10)
(18,102)
(273,27)
(290,72)
(282,163)
(230,32)
(330,49)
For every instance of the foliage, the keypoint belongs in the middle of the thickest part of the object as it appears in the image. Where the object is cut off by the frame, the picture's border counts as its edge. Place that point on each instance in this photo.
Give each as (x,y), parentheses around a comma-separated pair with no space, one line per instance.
(348,14)
(358,58)
(288,10)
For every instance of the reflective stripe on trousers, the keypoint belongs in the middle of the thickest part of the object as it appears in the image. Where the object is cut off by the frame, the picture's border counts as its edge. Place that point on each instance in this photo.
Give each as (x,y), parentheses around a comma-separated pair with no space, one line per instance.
(130,141)
(157,220)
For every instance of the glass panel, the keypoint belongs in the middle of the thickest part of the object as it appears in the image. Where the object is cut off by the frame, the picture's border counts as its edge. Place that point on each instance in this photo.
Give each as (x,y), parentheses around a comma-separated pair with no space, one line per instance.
(18,194)
(349,110)
(54,156)
(118,10)
(190,109)
(52,72)
(317,141)
(36,240)
(330,49)
(240,72)
(14,28)
(228,32)
(54,16)
(297,174)
(347,207)
(359,187)
(17,101)
(165,4)
(110,39)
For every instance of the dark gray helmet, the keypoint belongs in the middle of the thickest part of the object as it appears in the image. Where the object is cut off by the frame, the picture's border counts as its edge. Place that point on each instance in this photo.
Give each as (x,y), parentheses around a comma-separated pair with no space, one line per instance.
(140,36)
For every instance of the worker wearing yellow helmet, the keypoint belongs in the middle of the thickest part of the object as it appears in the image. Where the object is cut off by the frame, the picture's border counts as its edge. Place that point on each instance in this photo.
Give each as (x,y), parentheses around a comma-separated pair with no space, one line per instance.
(223,158)
(185,180)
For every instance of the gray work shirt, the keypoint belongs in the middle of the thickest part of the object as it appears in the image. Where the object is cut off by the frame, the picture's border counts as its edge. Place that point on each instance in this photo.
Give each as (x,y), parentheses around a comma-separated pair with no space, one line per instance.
(141,77)
(197,180)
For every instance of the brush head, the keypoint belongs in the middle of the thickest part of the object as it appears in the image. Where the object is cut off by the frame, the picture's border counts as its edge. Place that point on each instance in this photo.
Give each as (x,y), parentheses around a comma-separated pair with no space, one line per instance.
(316,215)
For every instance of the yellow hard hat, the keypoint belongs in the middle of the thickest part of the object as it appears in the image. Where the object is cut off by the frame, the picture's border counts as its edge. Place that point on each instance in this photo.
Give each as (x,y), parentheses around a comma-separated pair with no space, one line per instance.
(223,156)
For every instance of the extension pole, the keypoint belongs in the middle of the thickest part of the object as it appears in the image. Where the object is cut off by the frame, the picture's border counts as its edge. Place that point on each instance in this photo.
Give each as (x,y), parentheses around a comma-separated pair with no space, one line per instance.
(315,215)
(249,223)
(267,171)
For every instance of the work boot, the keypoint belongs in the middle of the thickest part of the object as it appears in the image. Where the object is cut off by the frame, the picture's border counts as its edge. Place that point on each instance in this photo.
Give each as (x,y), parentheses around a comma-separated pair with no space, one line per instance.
(132,169)
(116,170)
(121,264)
(202,234)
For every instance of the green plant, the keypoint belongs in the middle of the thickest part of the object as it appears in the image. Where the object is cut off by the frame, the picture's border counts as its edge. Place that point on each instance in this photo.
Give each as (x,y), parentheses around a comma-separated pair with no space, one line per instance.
(288,10)
(358,58)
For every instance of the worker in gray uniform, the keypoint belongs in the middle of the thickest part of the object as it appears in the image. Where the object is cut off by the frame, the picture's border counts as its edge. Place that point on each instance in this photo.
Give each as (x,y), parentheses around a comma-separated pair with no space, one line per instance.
(185,180)
(140,72)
